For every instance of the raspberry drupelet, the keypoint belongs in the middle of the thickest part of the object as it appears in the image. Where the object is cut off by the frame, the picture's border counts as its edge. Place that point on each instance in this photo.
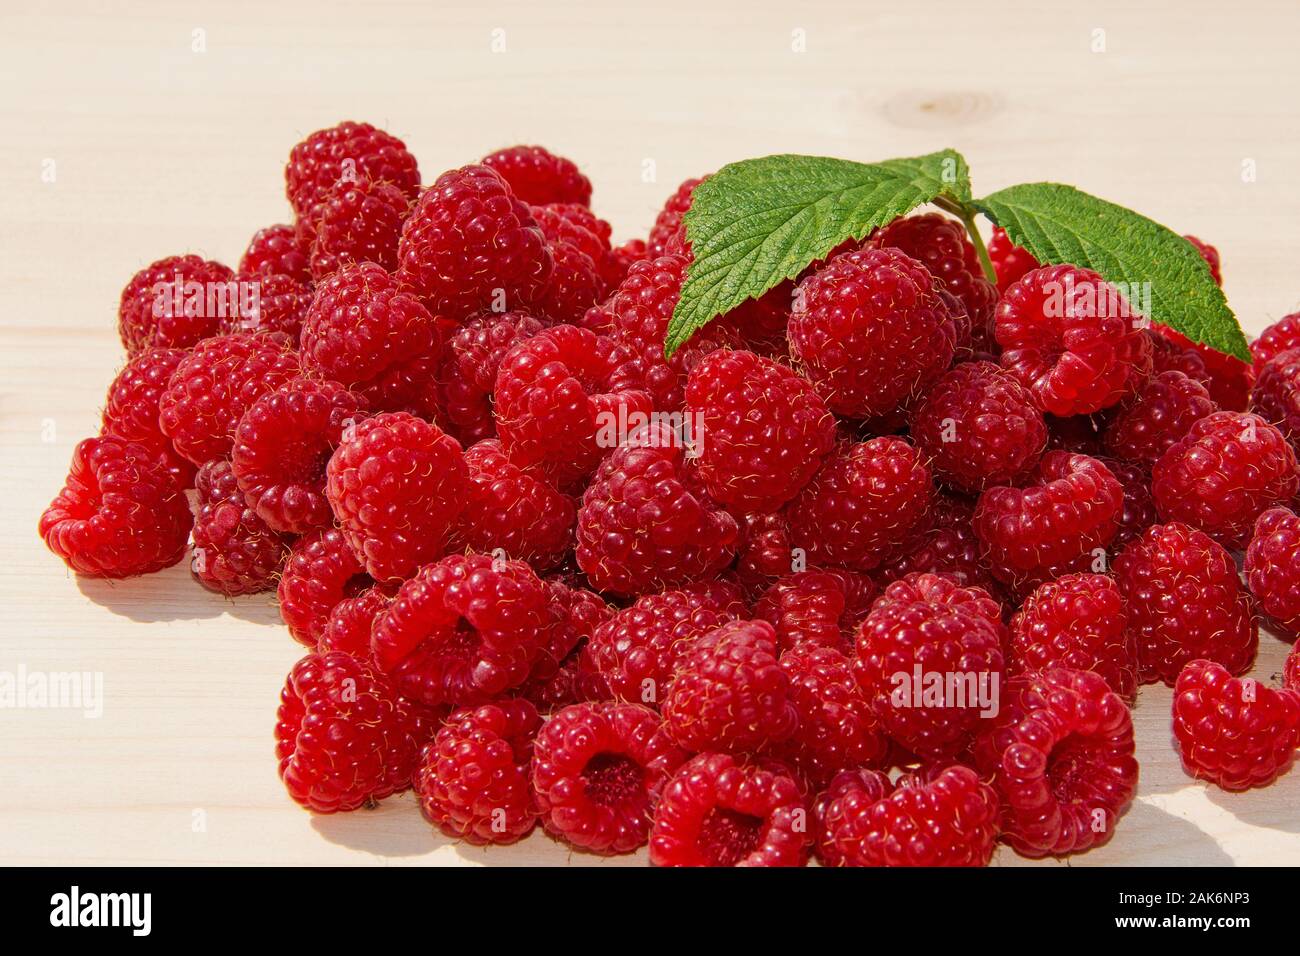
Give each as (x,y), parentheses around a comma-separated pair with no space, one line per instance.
(235,551)
(166,304)
(321,571)
(346,152)
(1272,568)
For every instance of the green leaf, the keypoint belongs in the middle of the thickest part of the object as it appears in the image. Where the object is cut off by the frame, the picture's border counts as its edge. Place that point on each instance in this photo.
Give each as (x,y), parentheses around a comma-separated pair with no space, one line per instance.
(1061,224)
(755,223)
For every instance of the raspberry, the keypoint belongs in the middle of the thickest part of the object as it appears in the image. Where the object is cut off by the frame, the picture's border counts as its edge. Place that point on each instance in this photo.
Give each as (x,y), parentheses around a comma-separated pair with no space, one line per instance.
(764,551)
(574,286)
(579,613)
(763,430)
(469,369)
(1234,732)
(276,250)
(1139,511)
(1161,413)
(464,629)
(1168,356)
(1230,379)
(1273,568)
(866,498)
(643,526)
(1184,601)
(348,152)
(472,778)
(729,693)
(836,729)
(539,176)
(470,245)
(598,770)
(1077,621)
(577,226)
(760,324)
(509,510)
(322,570)
(1010,261)
(149,315)
(1224,473)
(131,407)
(121,511)
(343,737)
(947,818)
(282,445)
(980,427)
(1291,670)
(1282,336)
(1211,257)
(720,811)
(1276,395)
(396,485)
(623,258)
(869,331)
(234,550)
(367,335)
(281,307)
(357,222)
(923,626)
(668,223)
(818,608)
(349,624)
(557,393)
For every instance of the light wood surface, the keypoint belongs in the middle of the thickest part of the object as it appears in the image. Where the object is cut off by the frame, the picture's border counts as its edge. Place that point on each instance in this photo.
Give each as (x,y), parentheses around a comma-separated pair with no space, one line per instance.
(158,149)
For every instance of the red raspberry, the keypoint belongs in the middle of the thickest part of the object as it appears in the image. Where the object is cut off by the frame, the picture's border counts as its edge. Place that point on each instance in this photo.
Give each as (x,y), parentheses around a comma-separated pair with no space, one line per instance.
(944,543)
(396,485)
(509,510)
(763,431)
(980,427)
(1184,601)
(276,250)
(1010,261)
(1273,568)
(121,511)
(469,369)
(1161,413)
(668,224)
(764,553)
(1224,473)
(1169,356)
(948,818)
(131,407)
(470,245)
(598,770)
(866,499)
(1211,257)
(366,334)
(234,550)
(579,612)
(760,324)
(1276,395)
(280,307)
(1077,621)
(869,331)
(1234,732)
(1139,507)
(623,258)
(322,570)
(1230,379)
(1282,336)
(643,526)
(349,624)
(539,176)
(578,226)
(817,608)
(282,445)
(1072,340)
(560,399)
(149,315)
(721,811)
(927,628)
(357,222)
(344,739)
(464,629)
(472,778)
(348,152)
(575,285)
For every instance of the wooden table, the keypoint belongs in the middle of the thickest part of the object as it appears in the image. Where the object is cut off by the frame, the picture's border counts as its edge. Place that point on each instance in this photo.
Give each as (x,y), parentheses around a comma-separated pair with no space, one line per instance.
(154,130)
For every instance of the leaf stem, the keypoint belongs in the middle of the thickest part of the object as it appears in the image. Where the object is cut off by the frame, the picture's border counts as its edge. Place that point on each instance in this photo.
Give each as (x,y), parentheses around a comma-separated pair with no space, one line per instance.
(967,216)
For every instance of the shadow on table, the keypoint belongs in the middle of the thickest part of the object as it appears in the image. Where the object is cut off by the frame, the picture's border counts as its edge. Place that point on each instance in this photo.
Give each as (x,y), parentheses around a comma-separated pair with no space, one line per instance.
(172,595)
(1156,836)
(395,829)
(1258,807)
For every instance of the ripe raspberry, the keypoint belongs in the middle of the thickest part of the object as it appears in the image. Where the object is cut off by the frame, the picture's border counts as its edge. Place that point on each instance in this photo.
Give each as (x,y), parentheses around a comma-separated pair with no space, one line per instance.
(1077,621)
(623,258)
(121,511)
(131,407)
(470,245)
(764,552)
(866,499)
(349,624)
(668,224)
(980,427)
(537,175)
(149,316)
(280,307)
(598,770)
(469,369)
(1273,568)
(1276,395)
(579,612)
(869,331)
(763,430)
(557,394)
(1224,473)
(508,510)
(1168,356)
(719,810)
(1234,732)
(273,251)
(1282,336)
(1010,261)
(213,386)
(644,526)
(282,445)
(1211,257)
(344,739)
(760,324)
(578,226)
(396,485)
(367,335)
(574,286)
(322,570)
(817,608)
(1184,601)
(349,152)
(357,222)
(464,629)
(1139,507)
(472,778)
(1230,379)
(946,818)
(923,626)
(234,550)
(1159,414)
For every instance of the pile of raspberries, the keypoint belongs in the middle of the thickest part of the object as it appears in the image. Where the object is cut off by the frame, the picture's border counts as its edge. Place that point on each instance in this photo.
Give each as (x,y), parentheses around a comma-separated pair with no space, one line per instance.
(545,575)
